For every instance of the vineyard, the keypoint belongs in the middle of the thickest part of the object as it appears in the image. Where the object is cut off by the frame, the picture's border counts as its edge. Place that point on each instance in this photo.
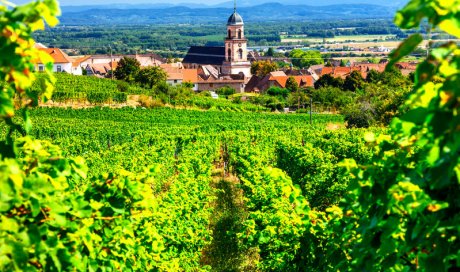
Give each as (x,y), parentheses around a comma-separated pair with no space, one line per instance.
(195,162)
(70,88)
(89,91)
(227,189)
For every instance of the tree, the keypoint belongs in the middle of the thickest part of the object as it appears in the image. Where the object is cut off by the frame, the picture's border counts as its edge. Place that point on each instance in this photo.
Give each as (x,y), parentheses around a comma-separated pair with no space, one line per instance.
(328,80)
(387,101)
(127,69)
(151,76)
(270,52)
(169,59)
(226,91)
(392,76)
(298,99)
(262,68)
(358,118)
(353,81)
(373,60)
(292,85)
(279,92)
(373,76)
(305,59)
(333,97)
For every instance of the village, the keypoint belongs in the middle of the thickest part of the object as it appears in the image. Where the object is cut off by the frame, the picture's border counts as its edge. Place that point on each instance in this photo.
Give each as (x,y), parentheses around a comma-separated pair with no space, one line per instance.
(208,68)
(176,136)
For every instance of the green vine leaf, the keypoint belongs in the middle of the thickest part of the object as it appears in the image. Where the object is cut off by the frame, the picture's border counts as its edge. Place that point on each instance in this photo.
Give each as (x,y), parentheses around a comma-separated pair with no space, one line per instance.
(407,47)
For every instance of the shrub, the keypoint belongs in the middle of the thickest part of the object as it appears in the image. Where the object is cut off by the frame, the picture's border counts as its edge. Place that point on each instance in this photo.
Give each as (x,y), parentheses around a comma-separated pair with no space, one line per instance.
(98,97)
(226,91)
(122,86)
(149,102)
(275,91)
(356,118)
(120,97)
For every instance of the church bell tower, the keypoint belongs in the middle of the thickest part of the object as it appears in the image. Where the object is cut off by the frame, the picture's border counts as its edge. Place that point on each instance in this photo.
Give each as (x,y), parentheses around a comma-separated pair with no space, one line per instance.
(236,47)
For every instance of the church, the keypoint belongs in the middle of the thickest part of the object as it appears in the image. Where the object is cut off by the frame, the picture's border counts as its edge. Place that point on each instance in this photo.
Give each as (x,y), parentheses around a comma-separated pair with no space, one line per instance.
(229,61)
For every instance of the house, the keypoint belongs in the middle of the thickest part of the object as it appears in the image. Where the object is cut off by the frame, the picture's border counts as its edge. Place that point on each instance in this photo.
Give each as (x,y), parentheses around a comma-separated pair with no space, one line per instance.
(406,67)
(255,56)
(366,67)
(211,83)
(173,72)
(62,62)
(102,65)
(40,45)
(341,72)
(78,65)
(145,60)
(277,79)
(101,69)
(302,81)
(176,75)
(191,76)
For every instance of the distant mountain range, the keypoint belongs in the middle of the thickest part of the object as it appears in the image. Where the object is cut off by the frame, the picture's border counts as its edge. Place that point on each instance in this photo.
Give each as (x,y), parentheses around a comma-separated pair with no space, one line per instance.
(169,14)
(86,5)
(247,3)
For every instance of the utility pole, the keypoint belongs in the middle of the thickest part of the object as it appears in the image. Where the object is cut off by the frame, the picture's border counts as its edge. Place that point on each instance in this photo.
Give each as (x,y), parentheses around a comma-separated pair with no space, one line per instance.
(428,46)
(111,60)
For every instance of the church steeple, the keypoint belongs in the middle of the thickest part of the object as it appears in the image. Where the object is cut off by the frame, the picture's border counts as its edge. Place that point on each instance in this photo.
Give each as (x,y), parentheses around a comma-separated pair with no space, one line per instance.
(236,52)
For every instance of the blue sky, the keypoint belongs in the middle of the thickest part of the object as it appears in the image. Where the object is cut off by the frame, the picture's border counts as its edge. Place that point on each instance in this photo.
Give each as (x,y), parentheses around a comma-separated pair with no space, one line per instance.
(208,2)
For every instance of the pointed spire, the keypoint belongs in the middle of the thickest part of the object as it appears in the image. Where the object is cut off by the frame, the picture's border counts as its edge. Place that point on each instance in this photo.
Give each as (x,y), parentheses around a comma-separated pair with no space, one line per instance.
(234,10)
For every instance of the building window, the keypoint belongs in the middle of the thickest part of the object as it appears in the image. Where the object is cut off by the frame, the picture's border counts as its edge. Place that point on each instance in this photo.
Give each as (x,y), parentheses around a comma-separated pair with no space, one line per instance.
(229,58)
(175,81)
(229,34)
(59,68)
(240,53)
(211,85)
(41,68)
(239,34)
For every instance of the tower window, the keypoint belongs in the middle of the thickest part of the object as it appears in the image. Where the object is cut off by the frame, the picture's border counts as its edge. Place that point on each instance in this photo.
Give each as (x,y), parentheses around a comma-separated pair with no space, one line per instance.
(229,57)
(240,53)
(239,34)
(229,34)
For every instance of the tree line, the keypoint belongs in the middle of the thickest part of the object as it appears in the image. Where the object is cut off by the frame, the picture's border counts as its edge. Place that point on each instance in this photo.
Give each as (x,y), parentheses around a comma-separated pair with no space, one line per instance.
(175,40)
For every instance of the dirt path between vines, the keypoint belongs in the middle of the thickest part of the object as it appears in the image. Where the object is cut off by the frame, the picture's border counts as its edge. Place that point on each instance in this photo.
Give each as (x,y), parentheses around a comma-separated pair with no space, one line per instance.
(133,102)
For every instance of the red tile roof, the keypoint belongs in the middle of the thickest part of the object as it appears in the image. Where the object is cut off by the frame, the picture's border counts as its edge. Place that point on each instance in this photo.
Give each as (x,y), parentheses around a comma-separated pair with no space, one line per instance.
(305,81)
(57,55)
(190,75)
(406,65)
(327,71)
(76,62)
(302,81)
(174,73)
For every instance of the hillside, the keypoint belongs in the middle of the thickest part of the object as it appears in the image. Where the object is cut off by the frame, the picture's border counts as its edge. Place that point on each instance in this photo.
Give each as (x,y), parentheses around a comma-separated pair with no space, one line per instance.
(187,15)
(87,5)
(247,3)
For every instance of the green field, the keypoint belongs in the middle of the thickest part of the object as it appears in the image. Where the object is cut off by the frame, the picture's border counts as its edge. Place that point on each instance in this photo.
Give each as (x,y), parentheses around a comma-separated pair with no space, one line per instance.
(198,163)
(92,130)
(337,39)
